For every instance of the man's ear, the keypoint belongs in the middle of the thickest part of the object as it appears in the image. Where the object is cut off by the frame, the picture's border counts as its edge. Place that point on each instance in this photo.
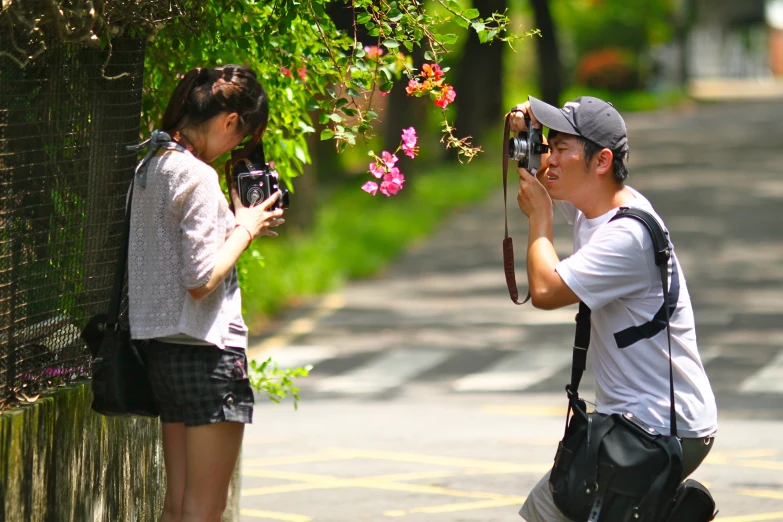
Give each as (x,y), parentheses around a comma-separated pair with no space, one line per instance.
(603,161)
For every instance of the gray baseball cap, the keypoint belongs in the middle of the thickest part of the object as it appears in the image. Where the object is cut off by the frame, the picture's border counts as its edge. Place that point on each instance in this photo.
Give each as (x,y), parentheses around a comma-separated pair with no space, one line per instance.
(588,117)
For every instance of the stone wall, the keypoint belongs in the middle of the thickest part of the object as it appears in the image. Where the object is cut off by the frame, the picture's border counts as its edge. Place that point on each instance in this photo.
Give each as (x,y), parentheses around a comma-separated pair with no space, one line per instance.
(59,461)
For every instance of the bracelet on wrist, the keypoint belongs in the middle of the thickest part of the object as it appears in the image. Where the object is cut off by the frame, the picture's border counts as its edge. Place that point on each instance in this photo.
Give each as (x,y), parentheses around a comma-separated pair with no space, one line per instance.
(250,234)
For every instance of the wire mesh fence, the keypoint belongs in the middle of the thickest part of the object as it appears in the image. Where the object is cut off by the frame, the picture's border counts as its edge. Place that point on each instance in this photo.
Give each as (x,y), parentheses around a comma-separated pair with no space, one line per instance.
(64,173)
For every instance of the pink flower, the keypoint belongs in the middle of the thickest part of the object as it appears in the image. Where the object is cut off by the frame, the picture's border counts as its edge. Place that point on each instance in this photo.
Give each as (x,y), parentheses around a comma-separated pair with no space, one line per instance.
(373,52)
(409,140)
(370,187)
(285,71)
(389,159)
(447,96)
(302,72)
(377,170)
(395,177)
(389,189)
(384,93)
(432,71)
(180,76)
(413,87)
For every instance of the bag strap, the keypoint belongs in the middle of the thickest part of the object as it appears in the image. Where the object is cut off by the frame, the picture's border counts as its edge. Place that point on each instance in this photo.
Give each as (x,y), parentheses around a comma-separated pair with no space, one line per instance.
(508,244)
(122,261)
(662,250)
(158,139)
(663,254)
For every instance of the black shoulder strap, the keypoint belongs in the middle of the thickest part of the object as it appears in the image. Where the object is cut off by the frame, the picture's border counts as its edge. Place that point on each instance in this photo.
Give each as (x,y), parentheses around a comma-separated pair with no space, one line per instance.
(662,250)
(119,274)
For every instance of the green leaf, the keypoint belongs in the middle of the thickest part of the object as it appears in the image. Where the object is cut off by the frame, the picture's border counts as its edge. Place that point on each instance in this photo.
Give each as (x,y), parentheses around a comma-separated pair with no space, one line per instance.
(352,92)
(318,9)
(391,44)
(349,112)
(341,102)
(335,117)
(470,13)
(450,39)
(429,56)
(478,26)
(327,134)
(363,18)
(331,93)
(395,15)
(463,22)
(371,114)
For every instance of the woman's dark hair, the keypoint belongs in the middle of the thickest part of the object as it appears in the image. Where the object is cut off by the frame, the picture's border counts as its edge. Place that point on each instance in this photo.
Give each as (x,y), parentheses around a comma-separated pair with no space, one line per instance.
(204,93)
(619,170)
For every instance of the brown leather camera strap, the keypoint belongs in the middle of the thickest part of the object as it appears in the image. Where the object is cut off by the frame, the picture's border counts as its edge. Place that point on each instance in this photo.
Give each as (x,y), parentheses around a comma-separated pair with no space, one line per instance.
(508,244)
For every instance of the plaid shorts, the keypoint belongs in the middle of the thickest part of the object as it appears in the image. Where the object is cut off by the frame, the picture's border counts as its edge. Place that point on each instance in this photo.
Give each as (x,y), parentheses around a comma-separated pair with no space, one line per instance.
(199,385)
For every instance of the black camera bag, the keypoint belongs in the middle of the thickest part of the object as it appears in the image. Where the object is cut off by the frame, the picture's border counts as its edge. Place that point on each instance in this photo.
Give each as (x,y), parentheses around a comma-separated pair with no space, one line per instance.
(692,503)
(613,468)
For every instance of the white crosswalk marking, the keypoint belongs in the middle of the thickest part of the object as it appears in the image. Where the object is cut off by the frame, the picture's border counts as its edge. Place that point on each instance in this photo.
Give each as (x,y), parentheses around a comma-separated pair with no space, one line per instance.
(296,356)
(518,371)
(768,380)
(386,371)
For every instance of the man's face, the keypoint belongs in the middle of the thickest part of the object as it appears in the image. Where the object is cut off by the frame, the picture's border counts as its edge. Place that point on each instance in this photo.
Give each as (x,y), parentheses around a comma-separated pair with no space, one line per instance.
(567,170)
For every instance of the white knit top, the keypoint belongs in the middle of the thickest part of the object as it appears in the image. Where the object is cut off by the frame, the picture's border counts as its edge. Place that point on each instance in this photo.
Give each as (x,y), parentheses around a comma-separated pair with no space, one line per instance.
(179,221)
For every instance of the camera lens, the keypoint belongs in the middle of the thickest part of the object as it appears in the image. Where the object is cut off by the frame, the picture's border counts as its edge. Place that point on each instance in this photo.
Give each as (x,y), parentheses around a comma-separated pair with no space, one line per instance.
(254,195)
(517,149)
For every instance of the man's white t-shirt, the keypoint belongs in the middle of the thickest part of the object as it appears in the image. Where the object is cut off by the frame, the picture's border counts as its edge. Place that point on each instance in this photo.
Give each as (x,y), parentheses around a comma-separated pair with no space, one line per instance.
(613,272)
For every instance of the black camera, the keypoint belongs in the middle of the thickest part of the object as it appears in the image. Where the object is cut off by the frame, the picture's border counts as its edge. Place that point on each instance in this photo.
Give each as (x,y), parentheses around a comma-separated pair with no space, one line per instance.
(256,182)
(527,148)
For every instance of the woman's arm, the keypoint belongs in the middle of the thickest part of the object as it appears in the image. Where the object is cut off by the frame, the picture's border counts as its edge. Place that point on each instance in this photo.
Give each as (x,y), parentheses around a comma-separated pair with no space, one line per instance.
(251,223)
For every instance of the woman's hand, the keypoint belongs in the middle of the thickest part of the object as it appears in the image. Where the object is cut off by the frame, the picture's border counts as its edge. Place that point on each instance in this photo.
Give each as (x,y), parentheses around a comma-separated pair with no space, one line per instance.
(258,219)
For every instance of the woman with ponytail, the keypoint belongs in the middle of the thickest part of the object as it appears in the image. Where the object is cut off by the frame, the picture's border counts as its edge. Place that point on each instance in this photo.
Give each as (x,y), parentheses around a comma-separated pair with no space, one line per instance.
(182,283)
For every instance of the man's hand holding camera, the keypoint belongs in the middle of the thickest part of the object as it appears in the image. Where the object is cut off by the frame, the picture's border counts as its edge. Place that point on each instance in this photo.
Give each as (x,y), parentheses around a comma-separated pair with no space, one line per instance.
(532,196)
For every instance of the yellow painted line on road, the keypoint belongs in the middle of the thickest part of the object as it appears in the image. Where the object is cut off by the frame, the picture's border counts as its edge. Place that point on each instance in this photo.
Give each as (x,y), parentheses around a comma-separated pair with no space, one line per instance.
(414,475)
(761,517)
(742,454)
(525,410)
(309,481)
(762,493)
(258,441)
(274,515)
(453,508)
(293,459)
(440,461)
(533,442)
(298,328)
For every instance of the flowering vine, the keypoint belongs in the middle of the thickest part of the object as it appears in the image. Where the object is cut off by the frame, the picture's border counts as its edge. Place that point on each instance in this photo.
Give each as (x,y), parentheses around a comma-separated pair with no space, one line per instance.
(384,167)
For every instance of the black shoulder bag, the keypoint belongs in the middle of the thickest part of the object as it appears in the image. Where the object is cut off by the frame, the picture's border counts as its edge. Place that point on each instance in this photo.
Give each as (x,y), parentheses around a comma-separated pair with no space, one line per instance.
(615,468)
(120,385)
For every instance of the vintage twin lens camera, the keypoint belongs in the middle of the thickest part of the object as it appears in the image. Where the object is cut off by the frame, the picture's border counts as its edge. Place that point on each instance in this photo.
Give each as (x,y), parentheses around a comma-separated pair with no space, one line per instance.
(256,182)
(527,148)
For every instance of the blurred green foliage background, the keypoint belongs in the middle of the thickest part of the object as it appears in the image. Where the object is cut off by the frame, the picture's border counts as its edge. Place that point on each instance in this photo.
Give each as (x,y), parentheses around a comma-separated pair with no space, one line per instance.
(336,232)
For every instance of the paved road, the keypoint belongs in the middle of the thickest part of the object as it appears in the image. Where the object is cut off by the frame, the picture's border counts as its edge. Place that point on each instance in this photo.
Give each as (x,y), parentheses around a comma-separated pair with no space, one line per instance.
(434,398)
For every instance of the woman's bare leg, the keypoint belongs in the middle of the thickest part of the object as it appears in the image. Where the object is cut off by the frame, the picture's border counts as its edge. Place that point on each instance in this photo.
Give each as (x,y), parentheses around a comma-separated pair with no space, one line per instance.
(212,452)
(174,458)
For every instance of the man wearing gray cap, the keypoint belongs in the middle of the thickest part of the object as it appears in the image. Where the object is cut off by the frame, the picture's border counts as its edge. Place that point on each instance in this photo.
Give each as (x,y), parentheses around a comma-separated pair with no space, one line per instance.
(613,272)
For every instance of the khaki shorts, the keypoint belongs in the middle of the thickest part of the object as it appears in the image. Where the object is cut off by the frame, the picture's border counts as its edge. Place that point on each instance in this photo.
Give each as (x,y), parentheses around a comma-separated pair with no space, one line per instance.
(540,506)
